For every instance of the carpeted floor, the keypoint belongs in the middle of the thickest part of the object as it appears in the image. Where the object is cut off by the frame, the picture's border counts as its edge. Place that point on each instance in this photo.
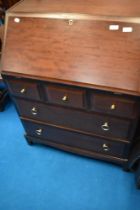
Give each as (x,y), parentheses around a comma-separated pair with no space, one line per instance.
(41,178)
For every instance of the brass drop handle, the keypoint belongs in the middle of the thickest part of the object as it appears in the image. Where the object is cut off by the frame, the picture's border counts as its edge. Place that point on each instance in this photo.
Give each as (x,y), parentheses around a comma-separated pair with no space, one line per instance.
(23,90)
(39,132)
(113,107)
(65,98)
(105,147)
(105,126)
(34,111)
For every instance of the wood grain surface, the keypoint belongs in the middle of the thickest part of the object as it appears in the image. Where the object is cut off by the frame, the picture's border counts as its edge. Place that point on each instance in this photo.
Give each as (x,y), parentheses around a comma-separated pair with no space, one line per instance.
(86,52)
(125,8)
(74,139)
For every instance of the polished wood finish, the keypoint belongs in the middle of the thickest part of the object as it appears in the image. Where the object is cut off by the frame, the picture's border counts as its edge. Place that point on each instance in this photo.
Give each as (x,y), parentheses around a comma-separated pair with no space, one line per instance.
(94,7)
(75,139)
(66,96)
(34,105)
(81,121)
(75,150)
(72,68)
(118,106)
(87,52)
(40,104)
(23,88)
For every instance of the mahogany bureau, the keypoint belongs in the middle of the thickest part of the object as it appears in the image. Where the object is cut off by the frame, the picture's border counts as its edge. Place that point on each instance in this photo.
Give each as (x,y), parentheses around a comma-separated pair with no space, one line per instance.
(73,71)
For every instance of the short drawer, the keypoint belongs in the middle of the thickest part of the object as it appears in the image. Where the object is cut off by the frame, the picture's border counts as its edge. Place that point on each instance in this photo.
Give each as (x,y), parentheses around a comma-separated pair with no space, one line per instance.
(65,96)
(113,105)
(75,139)
(75,119)
(23,89)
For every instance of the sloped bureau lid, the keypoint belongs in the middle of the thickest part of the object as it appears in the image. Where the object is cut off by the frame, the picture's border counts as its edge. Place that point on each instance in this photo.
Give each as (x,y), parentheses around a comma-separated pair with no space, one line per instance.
(66,42)
(123,8)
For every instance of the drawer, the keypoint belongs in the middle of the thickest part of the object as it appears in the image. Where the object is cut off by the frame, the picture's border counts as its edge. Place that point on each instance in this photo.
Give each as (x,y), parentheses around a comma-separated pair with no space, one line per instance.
(113,105)
(23,89)
(65,96)
(75,119)
(75,139)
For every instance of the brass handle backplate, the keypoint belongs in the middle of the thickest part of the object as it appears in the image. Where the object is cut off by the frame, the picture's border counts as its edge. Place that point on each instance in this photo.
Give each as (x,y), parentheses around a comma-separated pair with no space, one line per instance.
(39,132)
(113,107)
(65,98)
(105,126)
(34,111)
(105,147)
(23,90)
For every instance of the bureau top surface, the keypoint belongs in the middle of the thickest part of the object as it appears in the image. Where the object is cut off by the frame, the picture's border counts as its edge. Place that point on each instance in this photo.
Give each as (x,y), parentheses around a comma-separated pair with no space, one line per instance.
(125,8)
(85,53)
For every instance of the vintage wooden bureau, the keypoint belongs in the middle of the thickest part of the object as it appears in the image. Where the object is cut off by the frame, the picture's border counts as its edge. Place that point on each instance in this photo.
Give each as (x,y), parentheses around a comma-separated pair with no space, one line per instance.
(73,71)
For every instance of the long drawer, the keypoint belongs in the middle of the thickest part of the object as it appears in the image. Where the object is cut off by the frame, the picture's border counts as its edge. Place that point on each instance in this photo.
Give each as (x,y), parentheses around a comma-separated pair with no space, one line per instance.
(74,139)
(103,125)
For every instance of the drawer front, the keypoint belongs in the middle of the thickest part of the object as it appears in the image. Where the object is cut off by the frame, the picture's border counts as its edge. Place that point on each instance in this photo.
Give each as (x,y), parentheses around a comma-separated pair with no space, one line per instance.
(74,119)
(75,139)
(113,105)
(65,96)
(23,89)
